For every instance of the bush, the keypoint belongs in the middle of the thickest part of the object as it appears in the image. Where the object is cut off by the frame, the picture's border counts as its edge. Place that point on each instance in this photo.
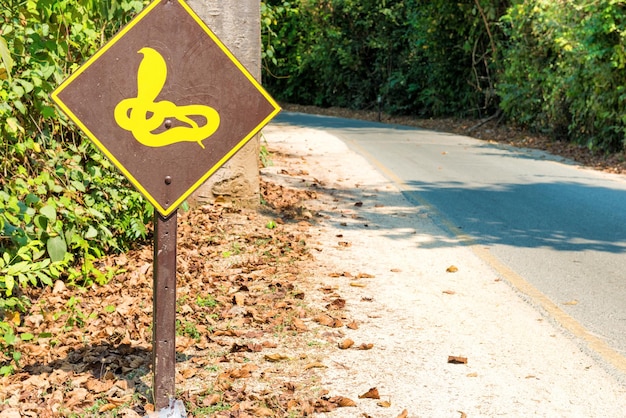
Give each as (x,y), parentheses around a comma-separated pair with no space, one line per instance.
(564,70)
(62,204)
(420,57)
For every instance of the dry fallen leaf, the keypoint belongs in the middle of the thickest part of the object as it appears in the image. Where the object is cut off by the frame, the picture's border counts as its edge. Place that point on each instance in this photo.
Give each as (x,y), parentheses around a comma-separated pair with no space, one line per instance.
(315,365)
(365,346)
(357,284)
(403,414)
(463,414)
(262,411)
(223,382)
(212,399)
(452,269)
(370,394)
(353,325)
(227,332)
(571,302)
(449,292)
(299,325)
(324,319)
(275,357)
(239,299)
(13,317)
(98,386)
(107,407)
(384,404)
(342,401)
(457,360)
(345,344)
(365,276)
(337,323)
(338,303)
(244,372)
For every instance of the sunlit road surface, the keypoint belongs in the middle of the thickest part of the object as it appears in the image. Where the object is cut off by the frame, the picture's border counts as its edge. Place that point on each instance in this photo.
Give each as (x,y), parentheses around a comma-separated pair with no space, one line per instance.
(542,222)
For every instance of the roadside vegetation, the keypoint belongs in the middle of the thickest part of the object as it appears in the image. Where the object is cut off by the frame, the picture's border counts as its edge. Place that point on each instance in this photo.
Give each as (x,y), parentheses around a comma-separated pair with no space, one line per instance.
(556,67)
(62,204)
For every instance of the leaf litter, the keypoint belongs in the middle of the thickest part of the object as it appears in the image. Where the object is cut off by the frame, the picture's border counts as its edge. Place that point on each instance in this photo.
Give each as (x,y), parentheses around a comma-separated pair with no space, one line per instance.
(243,324)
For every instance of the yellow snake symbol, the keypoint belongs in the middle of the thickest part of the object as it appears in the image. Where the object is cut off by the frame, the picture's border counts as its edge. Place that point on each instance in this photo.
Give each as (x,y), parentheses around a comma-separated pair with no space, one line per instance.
(141,115)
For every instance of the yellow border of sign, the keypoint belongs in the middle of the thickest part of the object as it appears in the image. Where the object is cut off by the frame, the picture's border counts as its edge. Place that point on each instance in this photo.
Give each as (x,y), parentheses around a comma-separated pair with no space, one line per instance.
(102,148)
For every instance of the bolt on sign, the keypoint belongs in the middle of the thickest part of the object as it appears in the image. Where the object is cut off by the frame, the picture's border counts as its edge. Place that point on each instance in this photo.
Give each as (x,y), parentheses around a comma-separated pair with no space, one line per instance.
(167,102)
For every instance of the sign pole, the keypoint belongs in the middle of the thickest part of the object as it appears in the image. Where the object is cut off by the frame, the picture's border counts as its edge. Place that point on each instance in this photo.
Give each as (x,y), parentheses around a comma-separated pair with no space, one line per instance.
(164,310)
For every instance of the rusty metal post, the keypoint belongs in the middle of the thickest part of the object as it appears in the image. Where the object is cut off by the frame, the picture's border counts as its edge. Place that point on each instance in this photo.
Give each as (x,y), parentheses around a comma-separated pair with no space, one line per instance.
(164,310)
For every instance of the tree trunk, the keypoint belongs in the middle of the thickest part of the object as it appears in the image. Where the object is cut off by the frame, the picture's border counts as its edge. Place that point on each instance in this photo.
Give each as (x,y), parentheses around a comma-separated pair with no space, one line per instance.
(237,24)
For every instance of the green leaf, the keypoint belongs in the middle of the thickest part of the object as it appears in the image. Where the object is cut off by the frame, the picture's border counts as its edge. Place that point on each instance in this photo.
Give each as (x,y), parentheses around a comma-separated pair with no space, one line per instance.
(5,56)
(45,279)
(16,268)
(31,199)
(28,86)
(6,370)
(78,185)
(18,90)
(57,248)
(26,336)
(91,232)
(14,126)
(48,112)
(41,222)
(9,283)
(9,337)
(49,212)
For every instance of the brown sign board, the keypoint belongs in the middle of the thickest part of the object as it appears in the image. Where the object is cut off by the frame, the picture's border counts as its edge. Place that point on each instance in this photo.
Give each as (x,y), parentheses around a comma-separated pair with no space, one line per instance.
(167,102)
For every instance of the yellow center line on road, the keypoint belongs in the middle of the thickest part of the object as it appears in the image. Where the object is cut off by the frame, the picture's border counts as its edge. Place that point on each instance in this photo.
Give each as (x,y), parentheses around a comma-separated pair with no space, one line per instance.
(534,296)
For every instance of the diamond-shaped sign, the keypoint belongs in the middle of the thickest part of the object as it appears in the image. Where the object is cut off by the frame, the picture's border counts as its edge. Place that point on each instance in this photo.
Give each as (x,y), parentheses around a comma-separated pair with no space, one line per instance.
(167,102)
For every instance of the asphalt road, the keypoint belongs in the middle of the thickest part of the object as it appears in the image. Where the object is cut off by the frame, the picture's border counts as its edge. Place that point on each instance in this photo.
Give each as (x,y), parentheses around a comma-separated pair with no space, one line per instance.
(558,227)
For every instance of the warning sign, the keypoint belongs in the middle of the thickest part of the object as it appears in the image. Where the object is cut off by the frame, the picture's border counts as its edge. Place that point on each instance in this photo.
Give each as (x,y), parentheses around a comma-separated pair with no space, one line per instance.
(167,102)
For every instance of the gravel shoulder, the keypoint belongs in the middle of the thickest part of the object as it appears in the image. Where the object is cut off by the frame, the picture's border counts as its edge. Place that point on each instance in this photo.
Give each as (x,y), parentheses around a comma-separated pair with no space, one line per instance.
(395,269)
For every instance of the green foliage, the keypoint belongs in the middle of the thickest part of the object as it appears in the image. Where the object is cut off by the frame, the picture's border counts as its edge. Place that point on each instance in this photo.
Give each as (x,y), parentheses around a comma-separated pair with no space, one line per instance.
(416,56)
(457,43)
(207,301)
(565,70)
(62,205)
(74,316)
(555,66)
(188,329)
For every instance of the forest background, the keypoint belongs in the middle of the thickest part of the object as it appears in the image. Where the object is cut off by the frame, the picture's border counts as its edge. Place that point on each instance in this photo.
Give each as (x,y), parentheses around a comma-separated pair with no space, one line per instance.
(552,66)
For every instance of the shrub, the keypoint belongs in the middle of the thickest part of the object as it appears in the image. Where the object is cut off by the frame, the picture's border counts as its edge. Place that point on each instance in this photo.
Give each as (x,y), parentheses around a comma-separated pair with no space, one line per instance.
(564,70)
(62,204)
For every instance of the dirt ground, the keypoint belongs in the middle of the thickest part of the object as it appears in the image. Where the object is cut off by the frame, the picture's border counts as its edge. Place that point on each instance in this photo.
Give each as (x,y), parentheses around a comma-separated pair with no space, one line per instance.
(450,337)
(336,298)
